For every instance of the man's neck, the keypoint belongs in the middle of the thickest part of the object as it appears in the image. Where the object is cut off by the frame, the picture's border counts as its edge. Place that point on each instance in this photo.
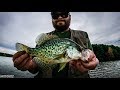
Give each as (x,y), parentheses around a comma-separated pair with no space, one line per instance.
(63,31)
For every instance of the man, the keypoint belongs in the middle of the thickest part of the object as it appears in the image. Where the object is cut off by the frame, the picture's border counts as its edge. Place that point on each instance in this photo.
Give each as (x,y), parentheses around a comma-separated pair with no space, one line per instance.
(74,69)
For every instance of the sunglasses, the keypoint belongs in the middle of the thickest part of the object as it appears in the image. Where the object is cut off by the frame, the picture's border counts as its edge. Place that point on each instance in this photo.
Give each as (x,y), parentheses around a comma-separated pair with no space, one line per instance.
(63,15)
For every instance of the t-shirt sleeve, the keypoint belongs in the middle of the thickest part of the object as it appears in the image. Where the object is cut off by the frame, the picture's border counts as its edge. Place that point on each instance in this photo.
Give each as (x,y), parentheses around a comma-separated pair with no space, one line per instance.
(89,45)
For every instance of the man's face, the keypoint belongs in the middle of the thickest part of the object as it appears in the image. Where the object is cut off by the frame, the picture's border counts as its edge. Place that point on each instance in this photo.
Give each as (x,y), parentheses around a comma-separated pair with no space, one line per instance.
(61,20)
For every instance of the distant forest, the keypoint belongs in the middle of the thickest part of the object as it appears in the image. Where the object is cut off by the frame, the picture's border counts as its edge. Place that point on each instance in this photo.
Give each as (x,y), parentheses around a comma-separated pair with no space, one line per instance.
(103,52)
(106,52)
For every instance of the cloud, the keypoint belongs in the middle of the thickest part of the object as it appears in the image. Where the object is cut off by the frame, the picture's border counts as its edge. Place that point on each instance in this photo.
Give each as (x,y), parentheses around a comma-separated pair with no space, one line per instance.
(101,26)
(24,27)
(6,50)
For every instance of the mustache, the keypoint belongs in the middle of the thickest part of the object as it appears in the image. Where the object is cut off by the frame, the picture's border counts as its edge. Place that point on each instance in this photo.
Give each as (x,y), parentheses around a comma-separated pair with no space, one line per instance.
(60,20)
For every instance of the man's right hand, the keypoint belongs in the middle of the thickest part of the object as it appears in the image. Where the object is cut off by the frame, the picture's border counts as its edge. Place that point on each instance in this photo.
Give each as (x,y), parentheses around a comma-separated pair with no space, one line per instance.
(22,61)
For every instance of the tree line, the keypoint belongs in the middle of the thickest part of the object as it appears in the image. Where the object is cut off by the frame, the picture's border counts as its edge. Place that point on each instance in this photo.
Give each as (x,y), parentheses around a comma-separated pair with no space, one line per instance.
(106,52)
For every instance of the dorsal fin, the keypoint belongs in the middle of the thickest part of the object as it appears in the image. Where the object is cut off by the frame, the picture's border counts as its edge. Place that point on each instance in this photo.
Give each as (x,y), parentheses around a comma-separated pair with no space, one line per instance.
(43,37)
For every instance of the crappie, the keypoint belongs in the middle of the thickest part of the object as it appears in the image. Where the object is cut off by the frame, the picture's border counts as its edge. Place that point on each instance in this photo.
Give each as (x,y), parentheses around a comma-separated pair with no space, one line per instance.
(52,50)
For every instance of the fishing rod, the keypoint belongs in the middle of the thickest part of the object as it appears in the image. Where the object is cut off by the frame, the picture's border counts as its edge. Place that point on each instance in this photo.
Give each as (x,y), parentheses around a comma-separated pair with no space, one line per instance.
(6,54)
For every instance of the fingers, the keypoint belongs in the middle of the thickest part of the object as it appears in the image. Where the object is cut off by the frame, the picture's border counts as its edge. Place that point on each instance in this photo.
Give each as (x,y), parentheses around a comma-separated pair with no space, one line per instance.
(93,61)
(77,65)
(16,55)
(73,63)
(23,65)
(81,68)
(91,56)
(27,65)
(33,68)
(21,59)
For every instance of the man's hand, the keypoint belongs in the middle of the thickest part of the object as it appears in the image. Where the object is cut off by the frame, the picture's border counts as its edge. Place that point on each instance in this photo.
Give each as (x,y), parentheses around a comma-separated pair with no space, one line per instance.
(22,61)
(83,66)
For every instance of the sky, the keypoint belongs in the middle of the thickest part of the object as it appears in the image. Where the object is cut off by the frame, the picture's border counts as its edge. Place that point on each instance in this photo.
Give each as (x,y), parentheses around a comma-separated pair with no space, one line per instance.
(24,27)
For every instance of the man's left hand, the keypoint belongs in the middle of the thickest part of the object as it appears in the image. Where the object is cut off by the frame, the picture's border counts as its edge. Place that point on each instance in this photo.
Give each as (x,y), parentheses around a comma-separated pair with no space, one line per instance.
(82,66)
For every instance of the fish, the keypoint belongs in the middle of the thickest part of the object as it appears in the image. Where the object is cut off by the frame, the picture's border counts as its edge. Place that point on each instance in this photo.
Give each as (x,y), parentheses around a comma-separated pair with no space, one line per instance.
(52,50)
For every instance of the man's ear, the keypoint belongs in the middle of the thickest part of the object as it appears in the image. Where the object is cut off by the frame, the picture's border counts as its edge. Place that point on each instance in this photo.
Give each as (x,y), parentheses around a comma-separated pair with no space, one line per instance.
(70,17)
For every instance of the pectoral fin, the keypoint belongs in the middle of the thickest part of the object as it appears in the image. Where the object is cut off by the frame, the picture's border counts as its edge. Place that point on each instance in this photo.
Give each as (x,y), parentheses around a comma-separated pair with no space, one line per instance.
(62,66)
(59,56)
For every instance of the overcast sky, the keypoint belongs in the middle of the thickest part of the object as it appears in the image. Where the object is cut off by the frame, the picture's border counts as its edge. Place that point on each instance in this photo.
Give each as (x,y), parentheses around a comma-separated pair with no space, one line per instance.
(23,27)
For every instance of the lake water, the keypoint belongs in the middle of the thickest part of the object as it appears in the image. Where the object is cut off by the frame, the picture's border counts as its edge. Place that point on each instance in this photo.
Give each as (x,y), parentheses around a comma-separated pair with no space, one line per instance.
(8,70)
(109,69)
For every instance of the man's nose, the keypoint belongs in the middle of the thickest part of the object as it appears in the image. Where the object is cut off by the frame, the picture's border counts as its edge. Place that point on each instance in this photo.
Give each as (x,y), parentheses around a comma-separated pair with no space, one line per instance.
(59,17)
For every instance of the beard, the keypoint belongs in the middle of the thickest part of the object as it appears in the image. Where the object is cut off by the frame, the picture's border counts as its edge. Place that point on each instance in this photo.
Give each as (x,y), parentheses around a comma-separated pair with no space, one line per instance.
(60,27)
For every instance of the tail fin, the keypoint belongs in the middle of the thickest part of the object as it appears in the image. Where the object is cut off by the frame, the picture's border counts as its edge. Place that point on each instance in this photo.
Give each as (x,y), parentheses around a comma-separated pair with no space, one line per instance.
(22,47)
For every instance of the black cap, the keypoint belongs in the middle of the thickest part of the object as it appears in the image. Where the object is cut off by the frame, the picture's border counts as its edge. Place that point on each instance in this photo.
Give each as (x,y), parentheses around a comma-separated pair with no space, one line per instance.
(52,13)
